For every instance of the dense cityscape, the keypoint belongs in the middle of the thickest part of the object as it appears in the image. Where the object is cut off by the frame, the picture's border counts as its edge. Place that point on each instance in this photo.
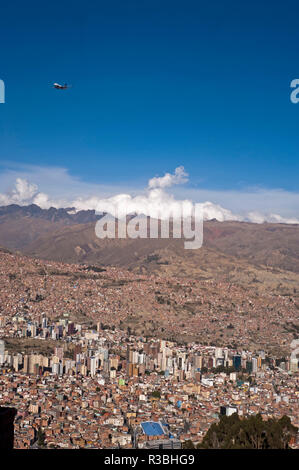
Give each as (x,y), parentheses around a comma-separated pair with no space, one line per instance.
(98,384)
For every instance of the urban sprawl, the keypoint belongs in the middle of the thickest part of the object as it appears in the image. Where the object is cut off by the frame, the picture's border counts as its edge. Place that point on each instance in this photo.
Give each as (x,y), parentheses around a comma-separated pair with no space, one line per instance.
(94,382)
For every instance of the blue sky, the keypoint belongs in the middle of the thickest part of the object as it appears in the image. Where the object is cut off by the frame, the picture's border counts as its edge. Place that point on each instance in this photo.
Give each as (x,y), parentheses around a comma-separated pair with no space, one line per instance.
(155,85)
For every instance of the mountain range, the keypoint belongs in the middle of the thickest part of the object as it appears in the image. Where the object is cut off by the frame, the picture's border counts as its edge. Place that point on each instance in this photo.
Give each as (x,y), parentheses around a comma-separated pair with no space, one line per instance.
(265,255)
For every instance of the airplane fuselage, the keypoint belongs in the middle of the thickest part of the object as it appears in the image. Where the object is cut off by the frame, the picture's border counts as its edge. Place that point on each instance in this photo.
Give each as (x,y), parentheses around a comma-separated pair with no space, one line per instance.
(60,87)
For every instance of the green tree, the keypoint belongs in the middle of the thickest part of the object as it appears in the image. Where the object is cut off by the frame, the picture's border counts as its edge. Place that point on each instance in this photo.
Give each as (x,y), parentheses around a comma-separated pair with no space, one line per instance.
(252,432)
(188,444)
(40,437)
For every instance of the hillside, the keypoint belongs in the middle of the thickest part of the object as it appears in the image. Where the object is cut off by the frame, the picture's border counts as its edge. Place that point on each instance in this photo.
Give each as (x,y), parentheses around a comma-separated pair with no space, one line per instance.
(263,256)
(157,305)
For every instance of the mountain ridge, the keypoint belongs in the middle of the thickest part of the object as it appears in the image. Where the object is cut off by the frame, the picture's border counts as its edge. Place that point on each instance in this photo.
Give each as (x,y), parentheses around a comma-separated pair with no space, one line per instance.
(265,254)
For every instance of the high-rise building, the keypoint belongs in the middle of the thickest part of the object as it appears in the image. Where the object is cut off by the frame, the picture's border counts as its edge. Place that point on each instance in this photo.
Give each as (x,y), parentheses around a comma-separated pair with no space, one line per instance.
(77,350)
(294,364)
(197,362)
(254,365)
(15,363)
(26,364)
(93,365)
(218,353)
(55,368)
(59,353)
(33,330)
(33,360)
(2,351)
(237,362)
(71,329)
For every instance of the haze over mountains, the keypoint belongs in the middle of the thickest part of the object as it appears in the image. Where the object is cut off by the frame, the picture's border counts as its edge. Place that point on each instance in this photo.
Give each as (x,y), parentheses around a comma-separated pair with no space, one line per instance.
(264,255)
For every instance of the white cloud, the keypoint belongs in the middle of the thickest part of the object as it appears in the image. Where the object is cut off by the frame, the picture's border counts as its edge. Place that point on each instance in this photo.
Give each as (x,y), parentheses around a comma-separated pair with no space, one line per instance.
(23,193)
(259,218)
(179,177)
(215,211)
(63,190)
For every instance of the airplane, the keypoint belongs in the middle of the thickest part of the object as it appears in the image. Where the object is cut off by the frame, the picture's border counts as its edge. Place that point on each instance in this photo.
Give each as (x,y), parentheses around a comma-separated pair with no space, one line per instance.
(61,87)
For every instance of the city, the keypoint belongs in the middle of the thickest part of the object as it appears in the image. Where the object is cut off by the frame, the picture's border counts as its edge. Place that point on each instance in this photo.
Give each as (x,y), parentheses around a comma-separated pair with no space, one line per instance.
(88,385)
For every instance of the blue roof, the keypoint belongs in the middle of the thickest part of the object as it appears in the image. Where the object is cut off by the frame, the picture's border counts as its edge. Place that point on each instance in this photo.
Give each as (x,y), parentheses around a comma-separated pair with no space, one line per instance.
(152,428)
